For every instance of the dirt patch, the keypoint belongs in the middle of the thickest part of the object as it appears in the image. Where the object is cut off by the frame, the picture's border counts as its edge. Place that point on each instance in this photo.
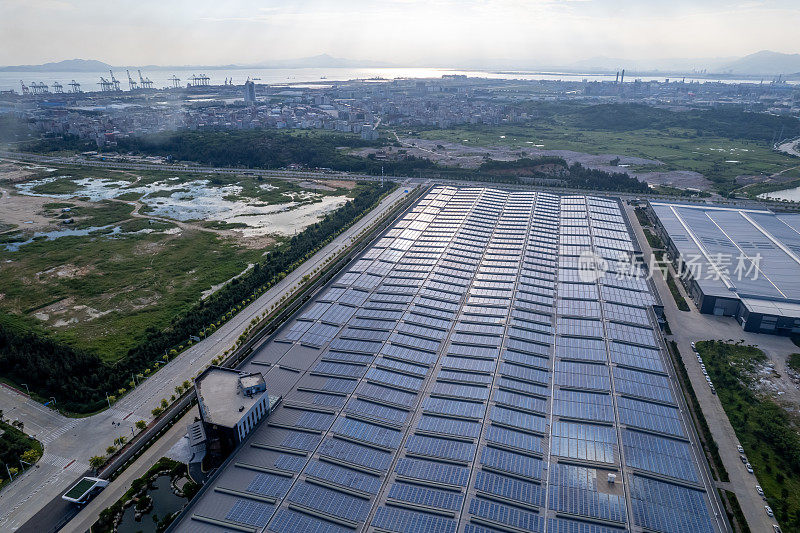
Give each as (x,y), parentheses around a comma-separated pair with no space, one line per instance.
(340,184)
(255,242)
(471,157)
(316,186)
(67,271)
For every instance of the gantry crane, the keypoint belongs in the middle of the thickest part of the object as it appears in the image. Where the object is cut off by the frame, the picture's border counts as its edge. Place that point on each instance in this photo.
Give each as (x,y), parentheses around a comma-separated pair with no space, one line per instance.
(25,89)
(132,85)
(76,87)
(175,81)
(114,82)
(58,88)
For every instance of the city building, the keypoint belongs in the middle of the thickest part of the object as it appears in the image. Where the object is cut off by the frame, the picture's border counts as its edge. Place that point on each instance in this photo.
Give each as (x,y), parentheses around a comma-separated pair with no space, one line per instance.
(231,403)
(467,373)
(743,263)
(249,92)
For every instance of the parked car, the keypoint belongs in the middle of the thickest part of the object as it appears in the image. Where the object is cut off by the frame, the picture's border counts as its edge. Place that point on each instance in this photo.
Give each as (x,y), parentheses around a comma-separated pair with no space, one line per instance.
(692,346)
(768,509)
(743,458)
(775,528)
(740,448)
(760,491)
(749,467)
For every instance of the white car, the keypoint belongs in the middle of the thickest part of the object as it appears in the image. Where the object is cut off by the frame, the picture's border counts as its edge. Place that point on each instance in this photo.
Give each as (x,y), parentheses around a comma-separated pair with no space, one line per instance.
(749,467)
(739,447)
(768,509)
(760,491)
(692,346)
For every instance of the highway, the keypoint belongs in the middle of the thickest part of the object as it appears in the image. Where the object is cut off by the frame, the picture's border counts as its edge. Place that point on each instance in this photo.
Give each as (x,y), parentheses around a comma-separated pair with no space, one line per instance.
(193,169)
(69,442)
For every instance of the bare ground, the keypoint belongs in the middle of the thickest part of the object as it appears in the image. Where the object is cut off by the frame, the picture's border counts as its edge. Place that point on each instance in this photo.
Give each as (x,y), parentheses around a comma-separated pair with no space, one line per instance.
(471,157)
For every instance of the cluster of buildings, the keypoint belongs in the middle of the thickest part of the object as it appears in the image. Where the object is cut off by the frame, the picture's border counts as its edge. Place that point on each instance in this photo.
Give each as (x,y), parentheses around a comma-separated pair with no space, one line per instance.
(360,106)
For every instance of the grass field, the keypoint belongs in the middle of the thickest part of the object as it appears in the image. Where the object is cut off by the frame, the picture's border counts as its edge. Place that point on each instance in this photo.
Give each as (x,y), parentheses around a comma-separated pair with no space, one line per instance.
(767,432)
(678,149)
(101,291)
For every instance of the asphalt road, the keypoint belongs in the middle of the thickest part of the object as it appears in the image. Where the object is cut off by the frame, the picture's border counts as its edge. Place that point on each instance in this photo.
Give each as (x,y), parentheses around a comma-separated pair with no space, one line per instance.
(692,326)
(70,442)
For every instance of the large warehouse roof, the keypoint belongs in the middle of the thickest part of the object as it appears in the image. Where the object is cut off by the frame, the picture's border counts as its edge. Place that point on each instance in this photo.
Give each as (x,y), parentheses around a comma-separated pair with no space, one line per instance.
(463,375)
(763,245)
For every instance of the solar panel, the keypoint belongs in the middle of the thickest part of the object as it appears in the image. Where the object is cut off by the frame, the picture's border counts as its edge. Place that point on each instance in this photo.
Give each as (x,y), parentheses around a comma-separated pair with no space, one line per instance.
(505,514)
(288,521)
(425,470)
(331,502)
(661,506)
(427,497)
(250,512)
(402,520)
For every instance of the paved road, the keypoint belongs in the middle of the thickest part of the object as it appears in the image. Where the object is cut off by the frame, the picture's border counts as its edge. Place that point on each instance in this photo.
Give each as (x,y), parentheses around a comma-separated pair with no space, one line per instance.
(167,167)
(70,442)
(689,326)
(88,515)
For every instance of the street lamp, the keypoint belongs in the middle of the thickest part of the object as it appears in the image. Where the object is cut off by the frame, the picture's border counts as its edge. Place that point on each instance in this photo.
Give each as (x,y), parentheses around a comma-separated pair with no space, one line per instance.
(26,388)
(108,400)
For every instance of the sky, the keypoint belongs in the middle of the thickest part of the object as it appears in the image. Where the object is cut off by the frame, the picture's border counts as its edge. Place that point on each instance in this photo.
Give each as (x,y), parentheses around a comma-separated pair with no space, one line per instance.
(454,33)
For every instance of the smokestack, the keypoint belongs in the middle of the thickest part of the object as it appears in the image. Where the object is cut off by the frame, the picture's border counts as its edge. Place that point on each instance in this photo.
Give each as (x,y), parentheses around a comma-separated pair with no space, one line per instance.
(623,76)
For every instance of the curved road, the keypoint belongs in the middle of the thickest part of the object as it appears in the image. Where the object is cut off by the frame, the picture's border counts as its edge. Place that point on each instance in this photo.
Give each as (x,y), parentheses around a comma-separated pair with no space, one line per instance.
(69,442)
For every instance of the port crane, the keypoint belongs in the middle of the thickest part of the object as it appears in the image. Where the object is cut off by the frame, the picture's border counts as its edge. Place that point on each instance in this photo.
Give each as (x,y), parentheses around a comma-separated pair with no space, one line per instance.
(114,82)
(40,88)
(144,83)
(175,81)
(105,85)
(76,87)
(25,89)
(58,88)
(132,85)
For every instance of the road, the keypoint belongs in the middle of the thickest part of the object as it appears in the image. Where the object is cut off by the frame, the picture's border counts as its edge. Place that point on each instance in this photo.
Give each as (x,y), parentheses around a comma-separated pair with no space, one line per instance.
(692,326)
(168,167)
(69,442)
(114,491)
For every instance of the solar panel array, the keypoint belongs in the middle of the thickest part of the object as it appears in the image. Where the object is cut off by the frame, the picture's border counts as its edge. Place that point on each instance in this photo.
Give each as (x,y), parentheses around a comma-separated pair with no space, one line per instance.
(465,375)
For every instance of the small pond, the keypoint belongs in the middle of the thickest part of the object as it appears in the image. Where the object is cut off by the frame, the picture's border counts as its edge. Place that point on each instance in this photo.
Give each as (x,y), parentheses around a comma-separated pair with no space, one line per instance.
(165,502)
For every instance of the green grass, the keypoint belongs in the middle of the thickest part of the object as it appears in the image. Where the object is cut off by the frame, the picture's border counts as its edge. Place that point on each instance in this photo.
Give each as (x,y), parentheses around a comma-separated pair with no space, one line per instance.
(654,240)
(678,149)
(680,301)
(57,186)
(794,362)
(14,443)
(767,432)
(132,281)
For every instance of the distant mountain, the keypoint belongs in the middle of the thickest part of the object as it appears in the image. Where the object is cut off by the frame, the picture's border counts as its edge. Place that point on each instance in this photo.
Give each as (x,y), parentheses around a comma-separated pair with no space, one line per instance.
(321,61)
(69,65)
(765,62)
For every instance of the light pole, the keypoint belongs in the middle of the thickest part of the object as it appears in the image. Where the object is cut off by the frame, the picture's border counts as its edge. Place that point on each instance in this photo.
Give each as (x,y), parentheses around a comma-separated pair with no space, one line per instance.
(26,388)
(108,400)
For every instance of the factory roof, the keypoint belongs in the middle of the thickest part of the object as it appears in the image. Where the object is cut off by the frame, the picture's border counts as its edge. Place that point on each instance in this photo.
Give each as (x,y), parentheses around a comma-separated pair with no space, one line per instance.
(465,373)
(753,255)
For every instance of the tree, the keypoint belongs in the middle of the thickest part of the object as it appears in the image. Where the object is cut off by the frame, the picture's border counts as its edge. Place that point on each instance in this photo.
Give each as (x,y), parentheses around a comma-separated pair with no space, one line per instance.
(141,424)
(111,449)
(30,456)
(96,462)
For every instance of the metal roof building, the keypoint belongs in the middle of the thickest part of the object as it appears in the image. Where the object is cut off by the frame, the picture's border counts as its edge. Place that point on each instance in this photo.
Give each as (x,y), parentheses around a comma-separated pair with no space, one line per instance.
(465,374)
(739,262)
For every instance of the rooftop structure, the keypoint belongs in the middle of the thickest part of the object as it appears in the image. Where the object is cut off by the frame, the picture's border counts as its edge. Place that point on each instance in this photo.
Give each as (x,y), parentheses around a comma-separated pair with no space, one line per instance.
(84,489)
(220,396)
(469,373)
(737,262)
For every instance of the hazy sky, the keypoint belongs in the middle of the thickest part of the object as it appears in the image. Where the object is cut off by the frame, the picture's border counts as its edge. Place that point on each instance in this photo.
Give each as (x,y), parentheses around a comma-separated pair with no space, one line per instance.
(408,32)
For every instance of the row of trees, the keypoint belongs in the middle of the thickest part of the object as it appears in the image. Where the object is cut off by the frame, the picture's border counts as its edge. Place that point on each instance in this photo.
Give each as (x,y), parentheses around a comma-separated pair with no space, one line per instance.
(17,450)
(79,380)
